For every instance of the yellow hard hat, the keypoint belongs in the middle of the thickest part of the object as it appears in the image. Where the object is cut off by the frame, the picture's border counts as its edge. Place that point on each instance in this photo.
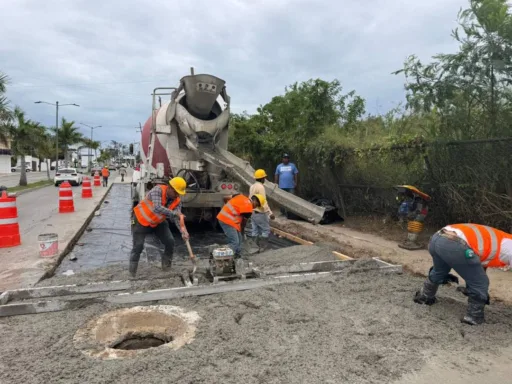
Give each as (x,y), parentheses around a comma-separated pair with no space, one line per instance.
(179,184)
(260,198)
(260,174)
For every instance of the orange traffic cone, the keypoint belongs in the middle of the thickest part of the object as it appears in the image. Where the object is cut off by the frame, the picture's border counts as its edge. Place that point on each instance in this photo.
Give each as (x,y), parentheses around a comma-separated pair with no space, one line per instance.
(86,188)
(9,228)
(66,198)
(97,181)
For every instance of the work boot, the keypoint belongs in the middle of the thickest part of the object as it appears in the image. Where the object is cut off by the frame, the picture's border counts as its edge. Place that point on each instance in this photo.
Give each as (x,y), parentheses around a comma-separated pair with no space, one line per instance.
(427,295)
(263,245)
(474,313)
(133,268)
(166,265)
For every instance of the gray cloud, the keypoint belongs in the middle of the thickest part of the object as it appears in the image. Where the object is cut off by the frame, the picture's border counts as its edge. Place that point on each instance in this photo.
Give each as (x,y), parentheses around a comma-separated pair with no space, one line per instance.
(108,56)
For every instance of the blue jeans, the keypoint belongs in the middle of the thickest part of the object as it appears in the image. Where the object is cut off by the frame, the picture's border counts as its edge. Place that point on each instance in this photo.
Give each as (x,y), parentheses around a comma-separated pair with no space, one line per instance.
(289,190)
(235,238)
(260,225)
(447,254)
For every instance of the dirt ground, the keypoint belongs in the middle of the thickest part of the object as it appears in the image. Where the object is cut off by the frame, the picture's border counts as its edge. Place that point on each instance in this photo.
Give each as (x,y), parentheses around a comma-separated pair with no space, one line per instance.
(358,327)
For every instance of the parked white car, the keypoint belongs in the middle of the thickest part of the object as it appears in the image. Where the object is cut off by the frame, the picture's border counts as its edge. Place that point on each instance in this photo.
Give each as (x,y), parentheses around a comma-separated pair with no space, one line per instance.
(68,174)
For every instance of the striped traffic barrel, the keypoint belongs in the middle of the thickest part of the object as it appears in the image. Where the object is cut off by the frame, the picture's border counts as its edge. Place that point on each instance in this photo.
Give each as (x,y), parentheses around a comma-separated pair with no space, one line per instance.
(9,228)
(66,198)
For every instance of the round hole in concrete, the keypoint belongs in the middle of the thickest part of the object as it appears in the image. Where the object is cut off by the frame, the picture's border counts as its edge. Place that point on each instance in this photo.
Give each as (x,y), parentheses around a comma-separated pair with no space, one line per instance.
(140,342)
(130,331)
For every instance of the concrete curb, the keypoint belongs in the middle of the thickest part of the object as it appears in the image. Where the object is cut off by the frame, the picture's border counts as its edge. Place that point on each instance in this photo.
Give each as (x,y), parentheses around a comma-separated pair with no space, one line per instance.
(50,272)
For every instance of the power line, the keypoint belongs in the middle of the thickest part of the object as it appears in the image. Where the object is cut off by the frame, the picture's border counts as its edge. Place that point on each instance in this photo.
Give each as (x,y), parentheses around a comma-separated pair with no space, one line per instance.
(85,85)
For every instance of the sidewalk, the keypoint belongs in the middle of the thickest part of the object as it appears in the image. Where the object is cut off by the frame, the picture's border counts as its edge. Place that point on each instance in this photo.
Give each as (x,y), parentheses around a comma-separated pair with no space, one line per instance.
(38,213)
(358,244)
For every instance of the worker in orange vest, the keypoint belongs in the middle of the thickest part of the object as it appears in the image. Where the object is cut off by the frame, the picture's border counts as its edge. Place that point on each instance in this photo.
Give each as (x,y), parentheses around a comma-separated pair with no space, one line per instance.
(469,249)
(233,218)
(150,216)
(105,173)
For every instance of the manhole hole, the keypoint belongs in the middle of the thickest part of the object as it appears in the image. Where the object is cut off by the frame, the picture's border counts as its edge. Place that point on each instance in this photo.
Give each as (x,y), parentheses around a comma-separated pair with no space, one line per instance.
(127,332)
(140,342)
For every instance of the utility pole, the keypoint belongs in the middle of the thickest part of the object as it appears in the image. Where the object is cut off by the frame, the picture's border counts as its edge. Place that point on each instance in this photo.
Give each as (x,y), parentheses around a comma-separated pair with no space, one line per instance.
(56,105)
(90,149)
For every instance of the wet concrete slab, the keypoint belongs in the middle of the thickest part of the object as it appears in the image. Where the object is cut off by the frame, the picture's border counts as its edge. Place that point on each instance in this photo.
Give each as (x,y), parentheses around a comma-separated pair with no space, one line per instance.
(108,241)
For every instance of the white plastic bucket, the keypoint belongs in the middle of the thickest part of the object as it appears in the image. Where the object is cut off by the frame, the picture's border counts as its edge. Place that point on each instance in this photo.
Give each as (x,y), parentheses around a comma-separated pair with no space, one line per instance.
(48,244)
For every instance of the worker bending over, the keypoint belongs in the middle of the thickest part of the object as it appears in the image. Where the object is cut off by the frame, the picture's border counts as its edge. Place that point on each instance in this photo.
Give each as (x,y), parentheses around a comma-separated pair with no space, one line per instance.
(233,218)
(469,249)
(261,215)
(151,214)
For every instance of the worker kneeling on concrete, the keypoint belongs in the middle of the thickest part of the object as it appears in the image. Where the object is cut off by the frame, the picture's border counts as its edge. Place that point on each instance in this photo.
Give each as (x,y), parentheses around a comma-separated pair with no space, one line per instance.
(469,249)
(233,218)
(151,214)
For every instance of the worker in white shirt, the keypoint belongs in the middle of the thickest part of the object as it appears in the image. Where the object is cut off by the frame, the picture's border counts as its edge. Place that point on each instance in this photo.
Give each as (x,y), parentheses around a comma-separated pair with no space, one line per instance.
(261,215)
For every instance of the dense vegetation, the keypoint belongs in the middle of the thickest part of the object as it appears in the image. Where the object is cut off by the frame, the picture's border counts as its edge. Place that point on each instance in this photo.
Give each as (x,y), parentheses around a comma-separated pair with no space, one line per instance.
(445,139)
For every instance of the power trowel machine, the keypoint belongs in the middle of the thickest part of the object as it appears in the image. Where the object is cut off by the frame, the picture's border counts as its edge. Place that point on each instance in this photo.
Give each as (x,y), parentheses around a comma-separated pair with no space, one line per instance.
(413,209)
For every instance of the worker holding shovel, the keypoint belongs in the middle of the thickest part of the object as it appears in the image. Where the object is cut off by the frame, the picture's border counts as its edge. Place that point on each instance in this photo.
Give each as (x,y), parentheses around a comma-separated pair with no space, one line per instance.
(150,216)
(469,249)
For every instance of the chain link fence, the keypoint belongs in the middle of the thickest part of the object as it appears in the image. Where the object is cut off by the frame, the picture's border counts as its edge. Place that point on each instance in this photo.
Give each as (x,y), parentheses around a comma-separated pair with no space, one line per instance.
(469,181)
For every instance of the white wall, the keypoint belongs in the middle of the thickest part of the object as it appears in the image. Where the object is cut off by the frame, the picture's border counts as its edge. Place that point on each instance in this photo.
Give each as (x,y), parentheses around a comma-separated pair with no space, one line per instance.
(5,164)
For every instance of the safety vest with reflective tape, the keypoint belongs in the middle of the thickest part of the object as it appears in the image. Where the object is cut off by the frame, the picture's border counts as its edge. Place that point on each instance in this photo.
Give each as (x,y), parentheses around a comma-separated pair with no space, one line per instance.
(145,210)
(105,172)
(231,213)
(485,242)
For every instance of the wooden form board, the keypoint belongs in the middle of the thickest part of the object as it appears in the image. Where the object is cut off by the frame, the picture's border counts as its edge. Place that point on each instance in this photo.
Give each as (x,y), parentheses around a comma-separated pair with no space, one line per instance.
(298,240)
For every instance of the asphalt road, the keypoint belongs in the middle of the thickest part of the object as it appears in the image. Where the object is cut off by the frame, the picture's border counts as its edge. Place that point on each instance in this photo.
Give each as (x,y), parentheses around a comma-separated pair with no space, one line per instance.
(13,179)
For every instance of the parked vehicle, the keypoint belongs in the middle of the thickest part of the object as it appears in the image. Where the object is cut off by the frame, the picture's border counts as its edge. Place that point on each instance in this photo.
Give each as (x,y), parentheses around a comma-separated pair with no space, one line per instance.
(18,169)
(112,167)
(67,174)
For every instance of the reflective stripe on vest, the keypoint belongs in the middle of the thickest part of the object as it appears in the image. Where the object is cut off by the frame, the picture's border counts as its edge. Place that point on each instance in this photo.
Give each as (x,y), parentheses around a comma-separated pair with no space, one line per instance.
(145,210)
(484,241)
(229,214)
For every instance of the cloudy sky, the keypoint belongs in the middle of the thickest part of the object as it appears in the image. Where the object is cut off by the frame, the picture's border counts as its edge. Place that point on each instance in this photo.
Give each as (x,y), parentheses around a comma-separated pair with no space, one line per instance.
(108,55)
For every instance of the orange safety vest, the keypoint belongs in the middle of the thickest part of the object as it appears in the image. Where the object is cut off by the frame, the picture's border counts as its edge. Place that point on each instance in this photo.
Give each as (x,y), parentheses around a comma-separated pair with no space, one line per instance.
(145,210)
(485,242)
(105,172)
(231,213)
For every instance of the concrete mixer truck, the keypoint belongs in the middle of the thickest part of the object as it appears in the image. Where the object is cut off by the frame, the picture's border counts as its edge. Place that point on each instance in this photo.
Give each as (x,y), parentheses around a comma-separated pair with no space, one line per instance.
(187,136)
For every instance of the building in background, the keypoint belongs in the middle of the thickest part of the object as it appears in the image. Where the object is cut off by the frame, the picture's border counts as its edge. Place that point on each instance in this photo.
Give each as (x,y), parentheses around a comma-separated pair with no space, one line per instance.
(5,158)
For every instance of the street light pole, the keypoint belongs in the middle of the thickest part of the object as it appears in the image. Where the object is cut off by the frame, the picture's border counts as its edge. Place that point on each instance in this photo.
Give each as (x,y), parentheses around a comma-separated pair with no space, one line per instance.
(90,149)
(56,105)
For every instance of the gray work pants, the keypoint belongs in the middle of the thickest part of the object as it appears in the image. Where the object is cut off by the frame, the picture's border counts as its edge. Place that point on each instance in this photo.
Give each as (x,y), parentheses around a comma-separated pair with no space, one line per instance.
(447,254)
(260,225)
(164,234)
(235,238)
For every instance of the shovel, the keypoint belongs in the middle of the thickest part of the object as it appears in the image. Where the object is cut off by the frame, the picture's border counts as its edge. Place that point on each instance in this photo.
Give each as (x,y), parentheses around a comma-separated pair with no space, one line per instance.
(192,257)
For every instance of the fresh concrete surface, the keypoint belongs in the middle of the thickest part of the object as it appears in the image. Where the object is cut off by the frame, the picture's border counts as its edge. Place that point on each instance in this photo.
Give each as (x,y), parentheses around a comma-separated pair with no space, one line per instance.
(38,213)
(13,179)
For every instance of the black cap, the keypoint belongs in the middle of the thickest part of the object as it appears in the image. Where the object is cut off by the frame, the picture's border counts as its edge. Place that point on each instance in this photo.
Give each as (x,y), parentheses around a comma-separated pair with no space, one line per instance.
(286,156)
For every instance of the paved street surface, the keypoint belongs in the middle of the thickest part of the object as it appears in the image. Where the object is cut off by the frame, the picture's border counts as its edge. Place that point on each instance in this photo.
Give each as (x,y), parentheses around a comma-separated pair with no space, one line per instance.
(37,214)
(13,179)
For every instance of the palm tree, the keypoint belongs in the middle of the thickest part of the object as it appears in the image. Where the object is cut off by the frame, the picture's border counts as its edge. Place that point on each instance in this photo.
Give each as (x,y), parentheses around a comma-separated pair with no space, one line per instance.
(46,149)
(5,112)
(94,145)
(25,135)
(68,135)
